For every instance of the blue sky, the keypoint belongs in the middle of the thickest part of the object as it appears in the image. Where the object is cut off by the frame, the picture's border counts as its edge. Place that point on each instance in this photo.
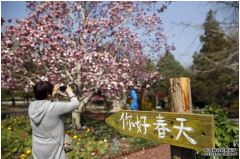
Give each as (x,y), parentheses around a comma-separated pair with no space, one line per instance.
(186,39)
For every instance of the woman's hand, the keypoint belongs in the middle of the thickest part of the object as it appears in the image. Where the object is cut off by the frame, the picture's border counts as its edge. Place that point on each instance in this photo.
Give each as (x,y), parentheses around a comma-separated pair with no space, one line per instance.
(69,90)
(56,89)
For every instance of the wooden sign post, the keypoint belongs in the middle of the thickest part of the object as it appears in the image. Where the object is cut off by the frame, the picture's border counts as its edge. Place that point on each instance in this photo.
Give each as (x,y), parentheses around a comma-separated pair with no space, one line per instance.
(192,131)
(180,101)
(179,129)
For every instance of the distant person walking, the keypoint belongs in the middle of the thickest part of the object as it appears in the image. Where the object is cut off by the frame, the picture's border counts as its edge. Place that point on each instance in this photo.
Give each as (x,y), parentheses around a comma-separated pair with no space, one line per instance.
(134,103)
(45,114)
(13,102)
(26,98)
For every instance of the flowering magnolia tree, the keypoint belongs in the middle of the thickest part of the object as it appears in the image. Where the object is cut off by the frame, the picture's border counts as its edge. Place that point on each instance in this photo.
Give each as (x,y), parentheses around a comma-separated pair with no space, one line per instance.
(60,41)
(139,75)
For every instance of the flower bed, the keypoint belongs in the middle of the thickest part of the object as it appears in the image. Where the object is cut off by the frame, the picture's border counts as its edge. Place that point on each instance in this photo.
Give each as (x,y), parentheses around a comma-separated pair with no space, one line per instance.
(16,138)
(94,140)
(88,144)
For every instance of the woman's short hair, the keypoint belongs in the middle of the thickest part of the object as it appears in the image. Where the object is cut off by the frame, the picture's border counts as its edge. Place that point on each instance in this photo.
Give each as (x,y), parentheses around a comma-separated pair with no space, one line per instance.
(42,89)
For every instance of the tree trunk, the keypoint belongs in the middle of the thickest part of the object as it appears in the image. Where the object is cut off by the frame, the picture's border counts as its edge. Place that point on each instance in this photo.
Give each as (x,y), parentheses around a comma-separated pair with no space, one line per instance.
(76,113)
(105,104)
(76,118)
(121,104)
(157,101)
(126,106)
(117,105)
(140,94)
(180,101)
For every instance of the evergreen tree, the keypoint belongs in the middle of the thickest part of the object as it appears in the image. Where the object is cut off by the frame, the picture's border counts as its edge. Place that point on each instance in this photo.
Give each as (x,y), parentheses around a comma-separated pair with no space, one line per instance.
(213,41)
(150,66)
(170,68)
(211,77)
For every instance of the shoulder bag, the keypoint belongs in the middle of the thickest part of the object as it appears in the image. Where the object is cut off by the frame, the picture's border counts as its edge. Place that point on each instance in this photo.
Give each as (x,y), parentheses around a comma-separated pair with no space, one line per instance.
(67,146)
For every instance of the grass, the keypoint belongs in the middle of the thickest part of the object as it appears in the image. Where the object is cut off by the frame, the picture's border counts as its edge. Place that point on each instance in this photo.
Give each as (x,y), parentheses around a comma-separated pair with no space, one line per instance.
(136,142)
(102,126)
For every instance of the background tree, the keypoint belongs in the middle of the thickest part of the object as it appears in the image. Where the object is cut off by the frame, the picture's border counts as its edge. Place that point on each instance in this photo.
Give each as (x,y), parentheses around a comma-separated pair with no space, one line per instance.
(170,68)
(61,39)
(212,65)
(230,9)
(143,73)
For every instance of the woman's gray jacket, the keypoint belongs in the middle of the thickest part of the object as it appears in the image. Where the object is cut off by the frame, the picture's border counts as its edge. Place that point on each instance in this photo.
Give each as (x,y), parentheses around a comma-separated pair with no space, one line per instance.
(50,114)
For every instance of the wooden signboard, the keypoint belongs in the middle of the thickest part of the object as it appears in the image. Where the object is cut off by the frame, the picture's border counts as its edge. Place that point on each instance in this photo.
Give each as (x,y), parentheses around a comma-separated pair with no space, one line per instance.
(193,131)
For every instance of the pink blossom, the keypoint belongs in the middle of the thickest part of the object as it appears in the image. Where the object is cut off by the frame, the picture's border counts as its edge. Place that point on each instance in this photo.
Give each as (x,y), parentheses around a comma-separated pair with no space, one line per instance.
(96,52)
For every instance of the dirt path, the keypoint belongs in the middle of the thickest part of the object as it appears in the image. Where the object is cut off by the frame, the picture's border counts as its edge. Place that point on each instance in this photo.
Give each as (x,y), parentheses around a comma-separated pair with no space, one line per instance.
(162,151)
(96,115)
(7,107)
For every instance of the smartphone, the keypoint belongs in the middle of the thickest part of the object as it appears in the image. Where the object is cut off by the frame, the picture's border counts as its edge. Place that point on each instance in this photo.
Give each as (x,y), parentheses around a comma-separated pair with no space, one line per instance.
(63,88)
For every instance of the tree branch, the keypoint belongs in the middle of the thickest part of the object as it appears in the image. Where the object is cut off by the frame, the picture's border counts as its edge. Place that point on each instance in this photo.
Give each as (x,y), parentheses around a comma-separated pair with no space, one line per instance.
(220,32)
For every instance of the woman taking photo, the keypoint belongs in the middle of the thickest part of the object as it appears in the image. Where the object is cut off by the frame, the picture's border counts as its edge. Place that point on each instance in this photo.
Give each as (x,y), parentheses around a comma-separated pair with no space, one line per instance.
(44,112)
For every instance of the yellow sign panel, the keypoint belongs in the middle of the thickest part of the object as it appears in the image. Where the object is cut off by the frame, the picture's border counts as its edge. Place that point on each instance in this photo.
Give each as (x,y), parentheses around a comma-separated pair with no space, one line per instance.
(193,131)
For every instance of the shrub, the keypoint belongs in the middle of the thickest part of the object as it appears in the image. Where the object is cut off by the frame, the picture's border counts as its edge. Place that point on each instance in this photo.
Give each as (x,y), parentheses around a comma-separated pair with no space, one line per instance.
(8,94)
(5,93)
(226,132)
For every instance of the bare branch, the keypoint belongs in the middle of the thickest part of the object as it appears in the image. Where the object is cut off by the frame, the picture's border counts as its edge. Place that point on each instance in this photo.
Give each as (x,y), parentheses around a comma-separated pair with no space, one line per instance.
(219,63)
(201,27)
(63,94)
(221,32)
(68,74)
